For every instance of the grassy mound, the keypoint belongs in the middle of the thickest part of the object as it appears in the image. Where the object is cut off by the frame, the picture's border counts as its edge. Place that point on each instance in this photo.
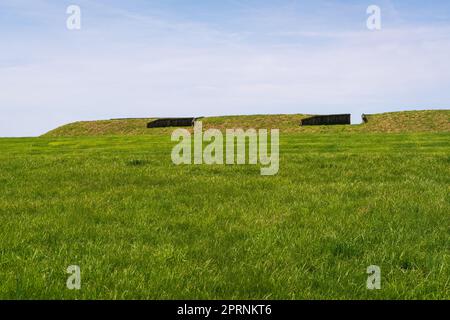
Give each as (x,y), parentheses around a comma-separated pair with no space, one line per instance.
(127,127)
(408,121)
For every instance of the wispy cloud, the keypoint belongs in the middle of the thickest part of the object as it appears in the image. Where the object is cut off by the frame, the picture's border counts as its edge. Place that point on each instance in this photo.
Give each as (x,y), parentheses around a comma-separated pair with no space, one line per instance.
(128,63)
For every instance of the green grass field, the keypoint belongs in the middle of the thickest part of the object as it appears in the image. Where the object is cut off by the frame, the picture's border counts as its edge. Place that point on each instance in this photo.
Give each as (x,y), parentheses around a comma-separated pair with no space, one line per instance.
(142,228)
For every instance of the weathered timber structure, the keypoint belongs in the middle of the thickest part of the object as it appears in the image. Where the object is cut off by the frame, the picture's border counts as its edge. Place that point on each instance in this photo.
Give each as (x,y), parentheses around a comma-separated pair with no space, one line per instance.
(327,120)
(172,122)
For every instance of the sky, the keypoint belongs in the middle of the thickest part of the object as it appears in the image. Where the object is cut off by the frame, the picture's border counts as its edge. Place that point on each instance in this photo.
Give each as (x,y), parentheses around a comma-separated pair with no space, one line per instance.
(168,58)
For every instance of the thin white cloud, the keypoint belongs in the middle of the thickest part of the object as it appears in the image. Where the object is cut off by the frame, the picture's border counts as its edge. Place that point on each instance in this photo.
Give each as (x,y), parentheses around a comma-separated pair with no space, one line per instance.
(117,69)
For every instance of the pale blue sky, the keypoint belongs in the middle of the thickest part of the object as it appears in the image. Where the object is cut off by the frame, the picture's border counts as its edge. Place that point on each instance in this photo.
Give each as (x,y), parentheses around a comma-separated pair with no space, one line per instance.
(207,57)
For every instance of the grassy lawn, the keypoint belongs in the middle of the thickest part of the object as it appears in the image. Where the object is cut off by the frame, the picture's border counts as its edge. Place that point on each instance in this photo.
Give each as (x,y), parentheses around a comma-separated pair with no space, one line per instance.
(141,227)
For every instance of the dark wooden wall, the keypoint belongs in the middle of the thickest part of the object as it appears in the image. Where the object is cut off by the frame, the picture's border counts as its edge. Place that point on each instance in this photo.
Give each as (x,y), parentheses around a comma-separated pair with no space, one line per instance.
(327,120)
(172,122)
